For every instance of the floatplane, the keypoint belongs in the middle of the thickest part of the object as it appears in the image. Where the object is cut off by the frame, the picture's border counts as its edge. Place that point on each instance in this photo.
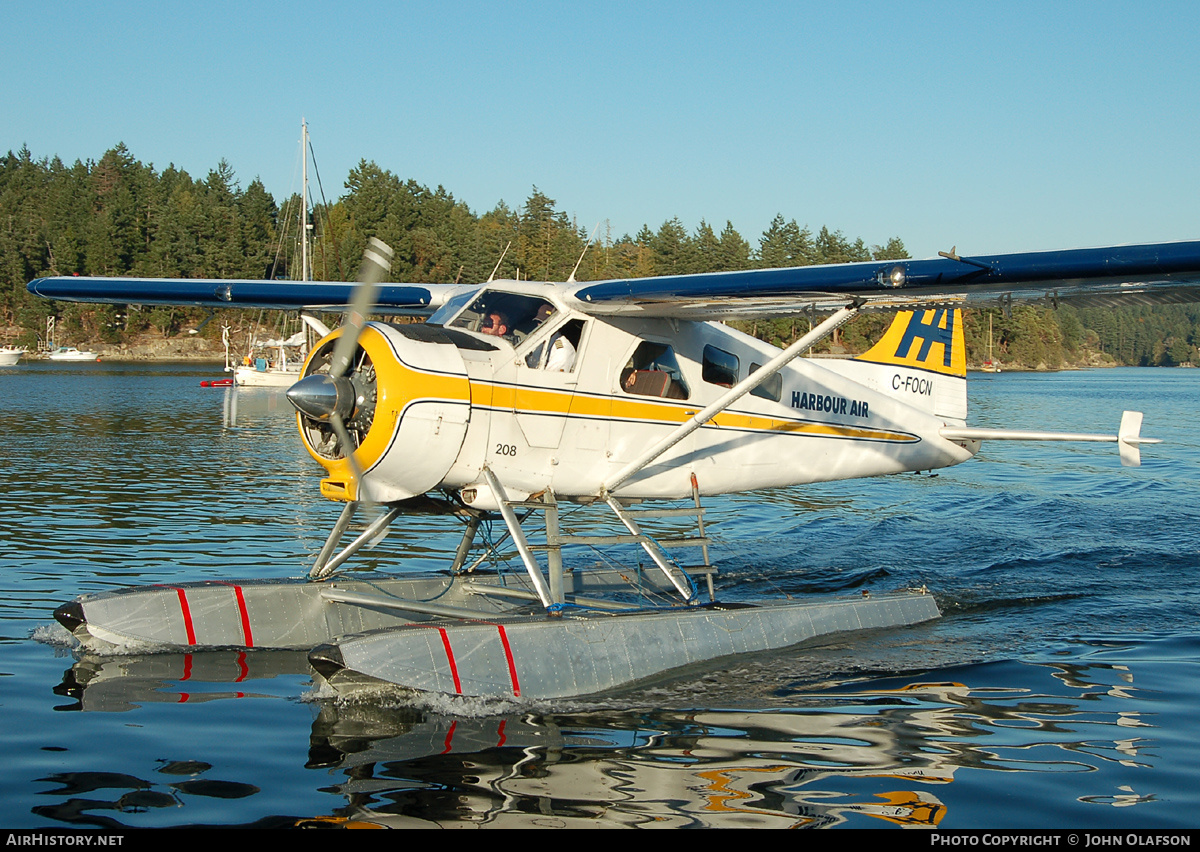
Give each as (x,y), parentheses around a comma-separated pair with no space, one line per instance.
(516,400)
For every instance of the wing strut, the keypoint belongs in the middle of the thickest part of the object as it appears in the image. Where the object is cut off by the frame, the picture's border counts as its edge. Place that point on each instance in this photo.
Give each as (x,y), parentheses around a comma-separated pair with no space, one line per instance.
(518,537)
(731,396)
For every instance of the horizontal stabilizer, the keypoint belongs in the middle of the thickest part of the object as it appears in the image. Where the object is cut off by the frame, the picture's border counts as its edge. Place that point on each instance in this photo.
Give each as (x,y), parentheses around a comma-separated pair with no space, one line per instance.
(1127,438)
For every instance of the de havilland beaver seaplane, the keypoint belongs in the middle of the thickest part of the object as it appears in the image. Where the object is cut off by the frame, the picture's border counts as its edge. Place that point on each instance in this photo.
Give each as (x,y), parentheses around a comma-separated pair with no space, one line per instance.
(515,399)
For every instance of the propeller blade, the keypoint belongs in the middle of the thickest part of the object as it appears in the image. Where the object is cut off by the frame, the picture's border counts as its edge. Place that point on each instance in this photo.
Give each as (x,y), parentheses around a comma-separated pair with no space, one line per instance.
(331,397)
(377,261)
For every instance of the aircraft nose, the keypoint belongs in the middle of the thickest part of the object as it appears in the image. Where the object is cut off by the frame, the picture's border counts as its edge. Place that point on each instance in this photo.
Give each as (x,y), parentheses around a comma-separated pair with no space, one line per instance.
(320,396)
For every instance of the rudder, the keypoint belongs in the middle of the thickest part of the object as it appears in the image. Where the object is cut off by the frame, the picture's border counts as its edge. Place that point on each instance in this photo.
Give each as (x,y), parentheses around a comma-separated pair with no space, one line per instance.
(922,360)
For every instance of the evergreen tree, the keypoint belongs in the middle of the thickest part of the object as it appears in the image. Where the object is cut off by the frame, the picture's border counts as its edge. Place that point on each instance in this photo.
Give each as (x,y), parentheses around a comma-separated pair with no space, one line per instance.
(785,244)
(734,252)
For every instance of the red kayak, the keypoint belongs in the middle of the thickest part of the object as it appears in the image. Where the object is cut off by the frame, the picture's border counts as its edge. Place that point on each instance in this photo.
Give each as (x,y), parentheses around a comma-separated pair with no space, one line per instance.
(217,383)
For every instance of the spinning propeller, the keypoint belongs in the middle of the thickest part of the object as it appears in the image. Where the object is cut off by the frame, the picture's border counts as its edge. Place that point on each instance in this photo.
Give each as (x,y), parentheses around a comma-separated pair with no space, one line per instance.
(334,396)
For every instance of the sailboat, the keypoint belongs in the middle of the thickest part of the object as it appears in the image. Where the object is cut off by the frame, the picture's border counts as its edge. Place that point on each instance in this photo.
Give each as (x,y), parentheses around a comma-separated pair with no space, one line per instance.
(277,363)
(991,365)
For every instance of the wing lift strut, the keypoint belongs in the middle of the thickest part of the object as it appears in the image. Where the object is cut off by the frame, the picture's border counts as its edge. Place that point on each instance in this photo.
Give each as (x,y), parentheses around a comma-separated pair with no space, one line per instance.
(550,593)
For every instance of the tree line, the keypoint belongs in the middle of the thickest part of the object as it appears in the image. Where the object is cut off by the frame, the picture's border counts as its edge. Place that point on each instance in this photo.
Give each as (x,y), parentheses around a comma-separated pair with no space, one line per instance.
(119,216)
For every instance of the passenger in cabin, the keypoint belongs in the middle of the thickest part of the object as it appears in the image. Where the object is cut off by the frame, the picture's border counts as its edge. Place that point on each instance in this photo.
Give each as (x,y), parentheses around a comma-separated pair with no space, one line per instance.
(562,351)
(561,358)
(562,355)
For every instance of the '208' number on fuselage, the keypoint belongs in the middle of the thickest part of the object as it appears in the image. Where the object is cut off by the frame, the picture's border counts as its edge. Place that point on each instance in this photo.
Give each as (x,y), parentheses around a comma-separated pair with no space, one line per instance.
(506,449)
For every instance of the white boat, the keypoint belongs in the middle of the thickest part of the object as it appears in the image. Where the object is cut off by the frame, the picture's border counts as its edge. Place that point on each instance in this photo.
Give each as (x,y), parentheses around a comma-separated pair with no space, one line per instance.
(262,374)
(10,355)
(280,369)
(70,353)
(280,361)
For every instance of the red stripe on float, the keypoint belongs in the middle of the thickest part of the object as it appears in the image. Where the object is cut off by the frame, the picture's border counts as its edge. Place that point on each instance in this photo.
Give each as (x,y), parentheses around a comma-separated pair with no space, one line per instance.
(512,669)
(449,738)
(450,657)
(187,616)
(245,616)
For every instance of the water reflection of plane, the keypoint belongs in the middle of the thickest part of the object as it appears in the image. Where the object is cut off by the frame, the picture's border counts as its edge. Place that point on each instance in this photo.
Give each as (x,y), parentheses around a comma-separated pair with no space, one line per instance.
(118,684)
(716,768)
(837,756)
(602,767)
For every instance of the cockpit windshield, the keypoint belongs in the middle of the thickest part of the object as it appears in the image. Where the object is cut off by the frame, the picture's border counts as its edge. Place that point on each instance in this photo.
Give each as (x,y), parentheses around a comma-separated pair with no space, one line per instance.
(508,316)
(452,306)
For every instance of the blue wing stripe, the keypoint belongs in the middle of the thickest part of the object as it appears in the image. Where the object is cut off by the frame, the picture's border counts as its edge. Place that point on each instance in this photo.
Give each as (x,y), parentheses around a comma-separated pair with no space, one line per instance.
(281,295)
(1147,273)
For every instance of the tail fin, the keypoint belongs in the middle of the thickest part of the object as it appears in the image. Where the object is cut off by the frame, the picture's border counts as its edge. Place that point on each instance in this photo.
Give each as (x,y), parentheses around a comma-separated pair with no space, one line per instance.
(930,340)
(922,359)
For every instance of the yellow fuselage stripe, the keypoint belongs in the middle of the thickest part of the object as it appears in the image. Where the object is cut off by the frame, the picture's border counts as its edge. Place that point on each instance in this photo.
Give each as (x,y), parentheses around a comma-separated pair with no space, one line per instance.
(540,401)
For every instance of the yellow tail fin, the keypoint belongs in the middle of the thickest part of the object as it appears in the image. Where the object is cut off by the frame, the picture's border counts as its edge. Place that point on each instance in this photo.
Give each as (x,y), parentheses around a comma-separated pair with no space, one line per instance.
(924,340)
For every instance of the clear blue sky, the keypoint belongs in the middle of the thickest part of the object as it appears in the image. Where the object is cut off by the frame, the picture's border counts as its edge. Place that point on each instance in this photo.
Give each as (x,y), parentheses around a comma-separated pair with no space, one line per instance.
(993,127)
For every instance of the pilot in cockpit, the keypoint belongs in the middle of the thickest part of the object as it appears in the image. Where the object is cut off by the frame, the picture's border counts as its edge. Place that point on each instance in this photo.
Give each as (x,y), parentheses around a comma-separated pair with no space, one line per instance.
(496,324)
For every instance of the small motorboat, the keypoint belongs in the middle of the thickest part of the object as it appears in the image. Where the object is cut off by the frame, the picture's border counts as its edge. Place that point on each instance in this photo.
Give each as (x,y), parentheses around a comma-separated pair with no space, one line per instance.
(70,353)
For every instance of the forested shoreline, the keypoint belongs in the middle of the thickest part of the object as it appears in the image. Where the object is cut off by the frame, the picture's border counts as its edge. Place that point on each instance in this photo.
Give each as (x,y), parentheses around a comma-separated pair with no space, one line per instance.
(119,216)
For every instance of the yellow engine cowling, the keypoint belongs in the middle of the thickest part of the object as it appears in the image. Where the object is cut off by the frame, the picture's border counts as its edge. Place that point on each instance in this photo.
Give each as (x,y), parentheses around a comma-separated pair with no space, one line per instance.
(413,404)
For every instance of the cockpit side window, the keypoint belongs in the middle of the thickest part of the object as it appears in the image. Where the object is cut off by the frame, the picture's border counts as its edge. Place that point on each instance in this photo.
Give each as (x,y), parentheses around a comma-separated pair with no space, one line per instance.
(557,353)
(654,371)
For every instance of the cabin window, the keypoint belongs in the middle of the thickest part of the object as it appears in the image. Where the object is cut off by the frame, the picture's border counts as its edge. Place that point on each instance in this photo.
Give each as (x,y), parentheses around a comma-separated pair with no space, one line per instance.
(654,371)
(508,316)
(771,389)
(720,367)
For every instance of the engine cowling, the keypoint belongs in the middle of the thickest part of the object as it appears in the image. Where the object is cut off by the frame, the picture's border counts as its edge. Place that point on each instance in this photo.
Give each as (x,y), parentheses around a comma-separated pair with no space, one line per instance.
(405,402)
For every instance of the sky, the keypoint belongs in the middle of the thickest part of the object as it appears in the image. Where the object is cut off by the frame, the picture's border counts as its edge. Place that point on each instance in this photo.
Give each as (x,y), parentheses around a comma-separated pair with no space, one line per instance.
(992,128)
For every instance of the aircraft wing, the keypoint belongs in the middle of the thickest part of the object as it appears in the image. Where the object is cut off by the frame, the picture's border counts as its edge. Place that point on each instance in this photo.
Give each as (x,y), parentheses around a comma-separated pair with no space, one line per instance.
(1116,275)
(318,296)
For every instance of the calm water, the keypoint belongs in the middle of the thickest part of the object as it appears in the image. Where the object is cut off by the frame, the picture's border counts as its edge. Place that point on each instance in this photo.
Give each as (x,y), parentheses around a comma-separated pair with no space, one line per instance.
(1059,690)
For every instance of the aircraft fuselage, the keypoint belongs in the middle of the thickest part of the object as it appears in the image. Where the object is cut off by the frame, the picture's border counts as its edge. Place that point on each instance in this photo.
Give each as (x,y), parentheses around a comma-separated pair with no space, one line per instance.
(451,399)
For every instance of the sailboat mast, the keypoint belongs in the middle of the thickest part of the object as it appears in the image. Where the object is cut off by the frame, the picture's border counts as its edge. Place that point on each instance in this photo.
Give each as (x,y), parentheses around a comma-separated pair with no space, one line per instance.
(304,200)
